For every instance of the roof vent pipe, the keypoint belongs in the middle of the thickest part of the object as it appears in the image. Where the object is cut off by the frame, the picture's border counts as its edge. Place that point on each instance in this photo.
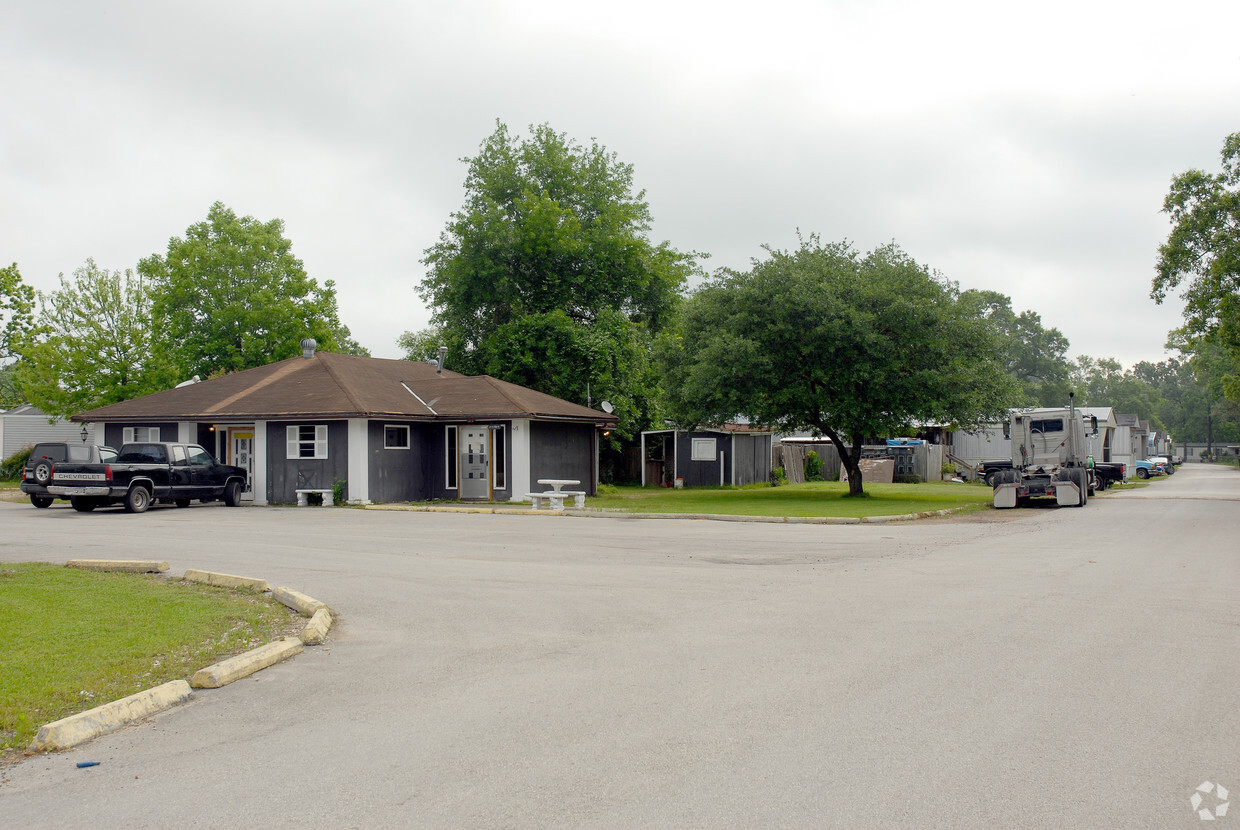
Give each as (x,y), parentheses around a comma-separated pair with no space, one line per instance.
(443,353)
(308,347)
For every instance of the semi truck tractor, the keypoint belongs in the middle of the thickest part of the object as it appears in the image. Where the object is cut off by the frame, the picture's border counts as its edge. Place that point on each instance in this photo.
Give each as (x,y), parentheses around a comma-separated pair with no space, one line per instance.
(1049,457)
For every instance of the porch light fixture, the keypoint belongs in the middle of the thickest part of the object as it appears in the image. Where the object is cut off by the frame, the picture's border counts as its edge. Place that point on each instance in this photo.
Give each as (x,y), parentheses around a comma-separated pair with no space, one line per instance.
(85,434)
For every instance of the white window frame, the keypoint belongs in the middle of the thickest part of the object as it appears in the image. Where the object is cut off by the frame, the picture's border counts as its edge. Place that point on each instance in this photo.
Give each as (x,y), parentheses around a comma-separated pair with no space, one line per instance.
(150,435)
(451,458)
(499,466)
(404,428)
(293,442)
(703,449)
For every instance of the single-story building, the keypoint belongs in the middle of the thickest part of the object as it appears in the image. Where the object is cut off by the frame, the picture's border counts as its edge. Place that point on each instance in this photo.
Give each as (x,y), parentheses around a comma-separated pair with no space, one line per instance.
(731,454)
(390,430)
(1102,444)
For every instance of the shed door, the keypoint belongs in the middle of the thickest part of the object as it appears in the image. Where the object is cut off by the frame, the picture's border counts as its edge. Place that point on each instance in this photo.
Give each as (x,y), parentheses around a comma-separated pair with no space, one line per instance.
(475,464)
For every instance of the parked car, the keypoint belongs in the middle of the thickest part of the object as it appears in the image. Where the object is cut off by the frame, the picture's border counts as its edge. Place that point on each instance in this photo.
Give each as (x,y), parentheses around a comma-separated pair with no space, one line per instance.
(146,472)
(1147,468)
(1164,462)
(37,474)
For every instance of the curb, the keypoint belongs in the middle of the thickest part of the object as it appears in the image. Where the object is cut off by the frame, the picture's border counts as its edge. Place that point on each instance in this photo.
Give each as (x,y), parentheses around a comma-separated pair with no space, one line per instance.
(244,665)
(74,730)
(227,580)
(600,513)
(84,726)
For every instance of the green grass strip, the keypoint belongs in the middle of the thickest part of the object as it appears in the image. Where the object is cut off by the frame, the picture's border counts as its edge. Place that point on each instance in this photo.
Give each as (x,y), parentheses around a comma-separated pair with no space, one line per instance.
(71,640)
(818,499)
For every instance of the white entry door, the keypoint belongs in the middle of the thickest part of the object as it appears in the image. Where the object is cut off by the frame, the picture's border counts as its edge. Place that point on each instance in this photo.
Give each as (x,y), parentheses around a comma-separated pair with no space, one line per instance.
(475,464)
(241,454)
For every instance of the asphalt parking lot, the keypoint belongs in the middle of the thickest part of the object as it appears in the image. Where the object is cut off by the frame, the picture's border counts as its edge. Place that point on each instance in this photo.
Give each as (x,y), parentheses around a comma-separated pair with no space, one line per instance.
(1040,668)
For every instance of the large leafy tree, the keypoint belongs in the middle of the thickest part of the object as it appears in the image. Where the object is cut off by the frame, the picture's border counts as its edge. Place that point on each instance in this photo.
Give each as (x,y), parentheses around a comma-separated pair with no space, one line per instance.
(230,295)
(546,276)
(1202,256)
(16,311)
(16,325)
(1031,353)
(1105,382)
(825,339)
(93,344)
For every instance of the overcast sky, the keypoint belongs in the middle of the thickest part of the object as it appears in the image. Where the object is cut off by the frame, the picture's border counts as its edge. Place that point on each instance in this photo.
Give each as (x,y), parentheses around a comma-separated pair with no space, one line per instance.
(1024,148)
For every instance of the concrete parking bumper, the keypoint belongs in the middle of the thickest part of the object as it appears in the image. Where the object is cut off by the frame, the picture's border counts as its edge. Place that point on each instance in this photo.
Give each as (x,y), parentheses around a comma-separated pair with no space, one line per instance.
(75,729)
(85,726)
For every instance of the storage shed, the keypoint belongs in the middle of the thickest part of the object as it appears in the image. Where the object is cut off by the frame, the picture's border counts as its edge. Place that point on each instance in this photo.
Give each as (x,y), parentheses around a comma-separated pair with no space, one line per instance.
(733,454)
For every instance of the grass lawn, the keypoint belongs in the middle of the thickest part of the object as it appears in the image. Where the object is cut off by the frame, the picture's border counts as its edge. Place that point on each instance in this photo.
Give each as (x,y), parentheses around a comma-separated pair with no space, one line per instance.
(71,639)
(810,499)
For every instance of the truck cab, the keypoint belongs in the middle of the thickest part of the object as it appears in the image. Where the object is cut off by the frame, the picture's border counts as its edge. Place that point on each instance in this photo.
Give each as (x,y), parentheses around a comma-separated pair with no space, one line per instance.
(1049,457)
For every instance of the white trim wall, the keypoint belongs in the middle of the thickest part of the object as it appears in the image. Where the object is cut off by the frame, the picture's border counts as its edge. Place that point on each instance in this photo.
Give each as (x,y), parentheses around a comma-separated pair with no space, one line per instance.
(260,462)
(519,474)
(359,454)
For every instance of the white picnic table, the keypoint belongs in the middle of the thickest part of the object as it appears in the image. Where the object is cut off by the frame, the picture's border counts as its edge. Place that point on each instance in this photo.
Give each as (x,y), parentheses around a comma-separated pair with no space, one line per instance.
(558,483)
(556,495)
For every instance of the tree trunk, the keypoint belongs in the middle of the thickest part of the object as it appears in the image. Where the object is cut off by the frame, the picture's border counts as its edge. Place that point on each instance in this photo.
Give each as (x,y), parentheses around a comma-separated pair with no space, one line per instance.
(850,458)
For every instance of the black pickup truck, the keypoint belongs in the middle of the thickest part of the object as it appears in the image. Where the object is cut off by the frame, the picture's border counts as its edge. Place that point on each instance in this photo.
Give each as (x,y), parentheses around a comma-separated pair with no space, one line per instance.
(147,472)
(1109,473)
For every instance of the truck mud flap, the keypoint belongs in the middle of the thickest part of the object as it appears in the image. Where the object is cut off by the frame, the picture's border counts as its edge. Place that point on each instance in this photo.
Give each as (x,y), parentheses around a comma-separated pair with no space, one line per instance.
(1067,494)
(1005,495)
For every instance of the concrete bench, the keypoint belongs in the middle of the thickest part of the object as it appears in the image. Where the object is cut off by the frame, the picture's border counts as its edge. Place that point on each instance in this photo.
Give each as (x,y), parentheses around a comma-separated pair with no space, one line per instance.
(554,497)
(303,497)
(579,497)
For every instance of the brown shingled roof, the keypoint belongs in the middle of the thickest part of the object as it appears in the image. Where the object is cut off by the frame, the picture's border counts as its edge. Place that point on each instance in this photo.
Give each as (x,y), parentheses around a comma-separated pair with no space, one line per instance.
(345,386)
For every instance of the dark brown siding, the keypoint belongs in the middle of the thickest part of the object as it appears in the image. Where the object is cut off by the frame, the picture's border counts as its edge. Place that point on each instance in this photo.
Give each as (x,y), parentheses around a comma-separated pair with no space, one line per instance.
(285,476)
(561,451)
(405,475)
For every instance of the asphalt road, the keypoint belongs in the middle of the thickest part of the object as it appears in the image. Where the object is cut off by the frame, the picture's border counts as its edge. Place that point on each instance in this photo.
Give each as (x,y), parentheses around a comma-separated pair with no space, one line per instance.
(1053,668)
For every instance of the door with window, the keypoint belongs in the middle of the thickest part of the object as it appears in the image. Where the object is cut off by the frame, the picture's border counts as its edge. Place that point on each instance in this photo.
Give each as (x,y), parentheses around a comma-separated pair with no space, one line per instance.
(241,454)
(475,463)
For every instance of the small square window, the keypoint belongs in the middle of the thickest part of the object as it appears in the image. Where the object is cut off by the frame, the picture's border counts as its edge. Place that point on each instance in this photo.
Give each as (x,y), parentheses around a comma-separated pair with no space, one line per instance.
(703,449)
(395,437)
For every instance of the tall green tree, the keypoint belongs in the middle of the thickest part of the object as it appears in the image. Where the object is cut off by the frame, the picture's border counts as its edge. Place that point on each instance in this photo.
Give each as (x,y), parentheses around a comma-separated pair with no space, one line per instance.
(16,311)
(825,339)
(546,275)
(93,344)
(230,295)
(1105,382)
(1202,256)
(17,302)
(1034,355)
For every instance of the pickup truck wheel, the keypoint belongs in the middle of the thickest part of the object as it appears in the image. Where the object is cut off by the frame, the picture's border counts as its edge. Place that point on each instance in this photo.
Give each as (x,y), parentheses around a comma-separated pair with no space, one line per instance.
(41,501)
(137,500)
(82,504)
(183,502)
(232,493)
(43,472)
(1142,472)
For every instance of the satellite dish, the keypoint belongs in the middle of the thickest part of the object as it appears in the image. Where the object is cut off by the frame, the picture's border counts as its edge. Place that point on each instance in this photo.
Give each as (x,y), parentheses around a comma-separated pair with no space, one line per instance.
(607,407)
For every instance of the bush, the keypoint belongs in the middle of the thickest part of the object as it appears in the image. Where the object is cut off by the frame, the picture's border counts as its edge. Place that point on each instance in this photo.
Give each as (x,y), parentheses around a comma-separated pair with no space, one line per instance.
(11,467)
(813,467)
(778,477)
